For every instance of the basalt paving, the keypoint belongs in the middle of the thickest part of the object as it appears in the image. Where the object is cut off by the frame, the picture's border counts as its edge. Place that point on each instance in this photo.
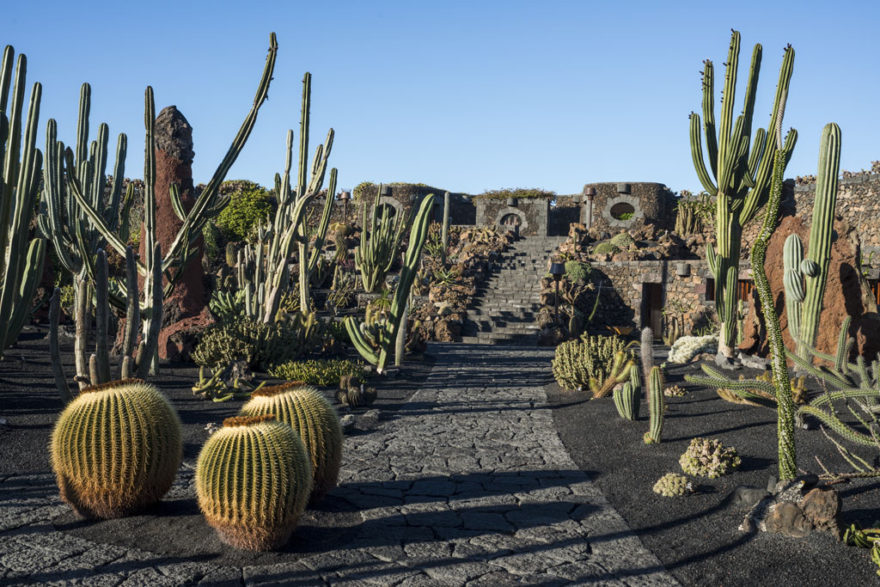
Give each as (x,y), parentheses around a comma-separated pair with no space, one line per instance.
(467,484)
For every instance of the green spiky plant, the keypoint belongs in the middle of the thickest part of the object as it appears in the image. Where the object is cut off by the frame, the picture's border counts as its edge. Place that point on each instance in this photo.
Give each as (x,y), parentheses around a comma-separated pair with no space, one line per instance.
(628,398)
(742,178)
(379,244)
(444,231)
(253,479)
(309,413)
(377,344)
(803,303)
(206,207)
(21,258)
(656,405)
(116,449)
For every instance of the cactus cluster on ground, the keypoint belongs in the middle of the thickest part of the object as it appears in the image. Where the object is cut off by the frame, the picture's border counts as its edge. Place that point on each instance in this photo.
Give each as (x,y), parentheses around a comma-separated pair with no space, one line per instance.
(708,458)
(592,362)
(673,485)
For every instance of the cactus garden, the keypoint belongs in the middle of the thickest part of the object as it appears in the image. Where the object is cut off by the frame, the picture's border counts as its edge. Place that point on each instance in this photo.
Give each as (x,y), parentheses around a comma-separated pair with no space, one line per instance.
(396,383)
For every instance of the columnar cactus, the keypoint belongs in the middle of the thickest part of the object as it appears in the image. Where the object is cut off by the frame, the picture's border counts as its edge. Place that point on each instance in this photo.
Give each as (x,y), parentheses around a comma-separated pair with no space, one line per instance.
(116,449)
(743,178)
(657,405)
(253,479)
(21,258)
(378,248)
(387,331)
(628,397)
(310,414)
(444,233)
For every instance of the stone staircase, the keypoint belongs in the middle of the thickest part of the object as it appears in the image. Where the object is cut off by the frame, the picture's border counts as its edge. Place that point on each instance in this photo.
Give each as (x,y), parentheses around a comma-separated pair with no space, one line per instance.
(505,309)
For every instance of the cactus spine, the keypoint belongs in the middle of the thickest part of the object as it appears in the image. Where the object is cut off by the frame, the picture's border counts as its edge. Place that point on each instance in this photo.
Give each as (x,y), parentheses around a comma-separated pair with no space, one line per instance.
(387,331)
(657,405)
(252,481)
(309,413)
(116,449)
(377,250)
(628,398)
(742,181)
(821,228)
(21,260)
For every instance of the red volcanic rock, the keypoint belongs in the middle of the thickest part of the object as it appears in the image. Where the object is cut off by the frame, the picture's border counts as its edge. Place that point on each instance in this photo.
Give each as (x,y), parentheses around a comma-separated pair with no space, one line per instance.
(174,156)
(846,293)
(178,340)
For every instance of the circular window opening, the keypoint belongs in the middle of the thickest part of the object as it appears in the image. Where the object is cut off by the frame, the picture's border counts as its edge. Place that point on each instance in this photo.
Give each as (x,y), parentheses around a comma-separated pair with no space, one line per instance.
(386,209)
(622,211)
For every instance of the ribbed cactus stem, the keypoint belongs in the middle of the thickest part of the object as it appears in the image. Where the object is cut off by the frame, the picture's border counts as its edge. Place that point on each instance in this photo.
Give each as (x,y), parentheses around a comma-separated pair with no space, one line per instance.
(821,229)
(646,352)
(656,405)
(793,280)
(444,233)
(627,398)
(102,317)
(132,313)
(54,349)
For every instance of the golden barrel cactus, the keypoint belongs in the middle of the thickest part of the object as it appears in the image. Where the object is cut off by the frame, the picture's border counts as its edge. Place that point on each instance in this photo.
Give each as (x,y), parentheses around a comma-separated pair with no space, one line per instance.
(116,449)
(253,479)
(310,414)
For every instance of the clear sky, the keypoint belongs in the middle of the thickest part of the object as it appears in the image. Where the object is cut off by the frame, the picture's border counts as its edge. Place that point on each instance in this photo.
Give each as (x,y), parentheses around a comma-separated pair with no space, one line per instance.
(461,95)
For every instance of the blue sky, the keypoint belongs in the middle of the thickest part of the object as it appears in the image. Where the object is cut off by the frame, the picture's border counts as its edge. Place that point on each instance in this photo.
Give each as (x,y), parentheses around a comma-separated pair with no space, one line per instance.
(464,96)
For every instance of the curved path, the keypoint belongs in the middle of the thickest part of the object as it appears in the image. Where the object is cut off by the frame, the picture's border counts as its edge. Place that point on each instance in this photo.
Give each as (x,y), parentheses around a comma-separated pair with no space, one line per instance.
(467,484)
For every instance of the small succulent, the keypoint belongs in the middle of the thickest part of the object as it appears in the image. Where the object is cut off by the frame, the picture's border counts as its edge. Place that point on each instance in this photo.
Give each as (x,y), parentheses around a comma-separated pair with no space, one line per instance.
(708,458)
(675,391)
(673,485)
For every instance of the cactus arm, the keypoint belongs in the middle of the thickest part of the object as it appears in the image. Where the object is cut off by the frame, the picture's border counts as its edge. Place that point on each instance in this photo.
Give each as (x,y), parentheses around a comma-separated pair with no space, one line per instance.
(54,352)
(147,353)
(838,426)
(697,154)
(363,347)
(324,224)
(176,203)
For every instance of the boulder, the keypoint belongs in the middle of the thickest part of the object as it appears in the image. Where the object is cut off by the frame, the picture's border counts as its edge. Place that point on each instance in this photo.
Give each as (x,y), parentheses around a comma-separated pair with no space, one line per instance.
(846,294)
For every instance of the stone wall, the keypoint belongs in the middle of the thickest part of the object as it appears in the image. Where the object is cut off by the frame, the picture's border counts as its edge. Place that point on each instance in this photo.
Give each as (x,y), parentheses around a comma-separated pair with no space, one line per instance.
(530,214)
(650,203)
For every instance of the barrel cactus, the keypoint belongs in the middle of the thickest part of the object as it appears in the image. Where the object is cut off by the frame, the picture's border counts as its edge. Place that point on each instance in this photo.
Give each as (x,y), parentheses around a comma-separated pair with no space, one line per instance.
(310,414)
(116,449)
(253,478)
(673,485)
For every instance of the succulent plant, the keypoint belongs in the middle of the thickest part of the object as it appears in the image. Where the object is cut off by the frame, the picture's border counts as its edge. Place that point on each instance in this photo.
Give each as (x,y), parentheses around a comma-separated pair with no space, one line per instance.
(673,485)
(310,414)
(675,391)
(253,478)
(708,458)
(116,449)
(588,362)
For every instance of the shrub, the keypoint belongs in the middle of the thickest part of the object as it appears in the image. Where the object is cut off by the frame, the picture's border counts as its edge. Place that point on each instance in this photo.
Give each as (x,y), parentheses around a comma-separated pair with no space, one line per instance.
(622,240)
(523,193)
(322,372)
(245,210)
(585,363)
(605,248)
(576,271)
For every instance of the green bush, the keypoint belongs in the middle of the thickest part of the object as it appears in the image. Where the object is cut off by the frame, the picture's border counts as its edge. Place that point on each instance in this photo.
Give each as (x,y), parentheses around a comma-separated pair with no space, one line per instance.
(576,271)
(622,240)
(605,248)
(215,248)
(246,209)
(322,372)
(523,193)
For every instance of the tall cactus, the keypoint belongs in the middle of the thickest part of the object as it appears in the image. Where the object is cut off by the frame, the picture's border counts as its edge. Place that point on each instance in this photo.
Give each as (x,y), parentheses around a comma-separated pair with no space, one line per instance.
(376,253)
(821,228)
(657,405)
(207,206)
(444,233)
(21,261)
(742,178)
(387,331)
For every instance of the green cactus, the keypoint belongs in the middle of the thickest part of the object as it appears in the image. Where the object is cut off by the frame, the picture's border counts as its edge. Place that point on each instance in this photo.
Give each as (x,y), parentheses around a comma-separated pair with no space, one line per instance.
(585,363)
(743,177)
(792,257)
(444,232)
(708,458)
(605,248)
(628,397)
(821,229)
(378,248)
(116,449)
(673,485)
(312,416)
(646,352)
(21,258)
(657,405)
(386,332)
(253,479)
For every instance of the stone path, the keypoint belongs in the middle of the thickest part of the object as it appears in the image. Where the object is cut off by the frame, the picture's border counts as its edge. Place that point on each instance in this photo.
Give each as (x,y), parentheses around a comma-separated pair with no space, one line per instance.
(468,484)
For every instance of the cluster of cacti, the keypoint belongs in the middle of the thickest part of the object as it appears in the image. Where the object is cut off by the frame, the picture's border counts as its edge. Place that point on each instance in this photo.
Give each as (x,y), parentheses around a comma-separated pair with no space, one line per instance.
(673,485)
(379,243)
(355,395)
(864,538)
(587,363)
(673,327)
(572,290)
(675,391)
(628,396)
(259,344)
(743,178)
(307,411)
(21,258)
(116,448)
(322,372)
(217,389)
(656,405)
(686,348)
(377,350)
(225,305)
(253,479)
(803,303)
(692,214)
(708,458)
(263,268)
(208,204)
